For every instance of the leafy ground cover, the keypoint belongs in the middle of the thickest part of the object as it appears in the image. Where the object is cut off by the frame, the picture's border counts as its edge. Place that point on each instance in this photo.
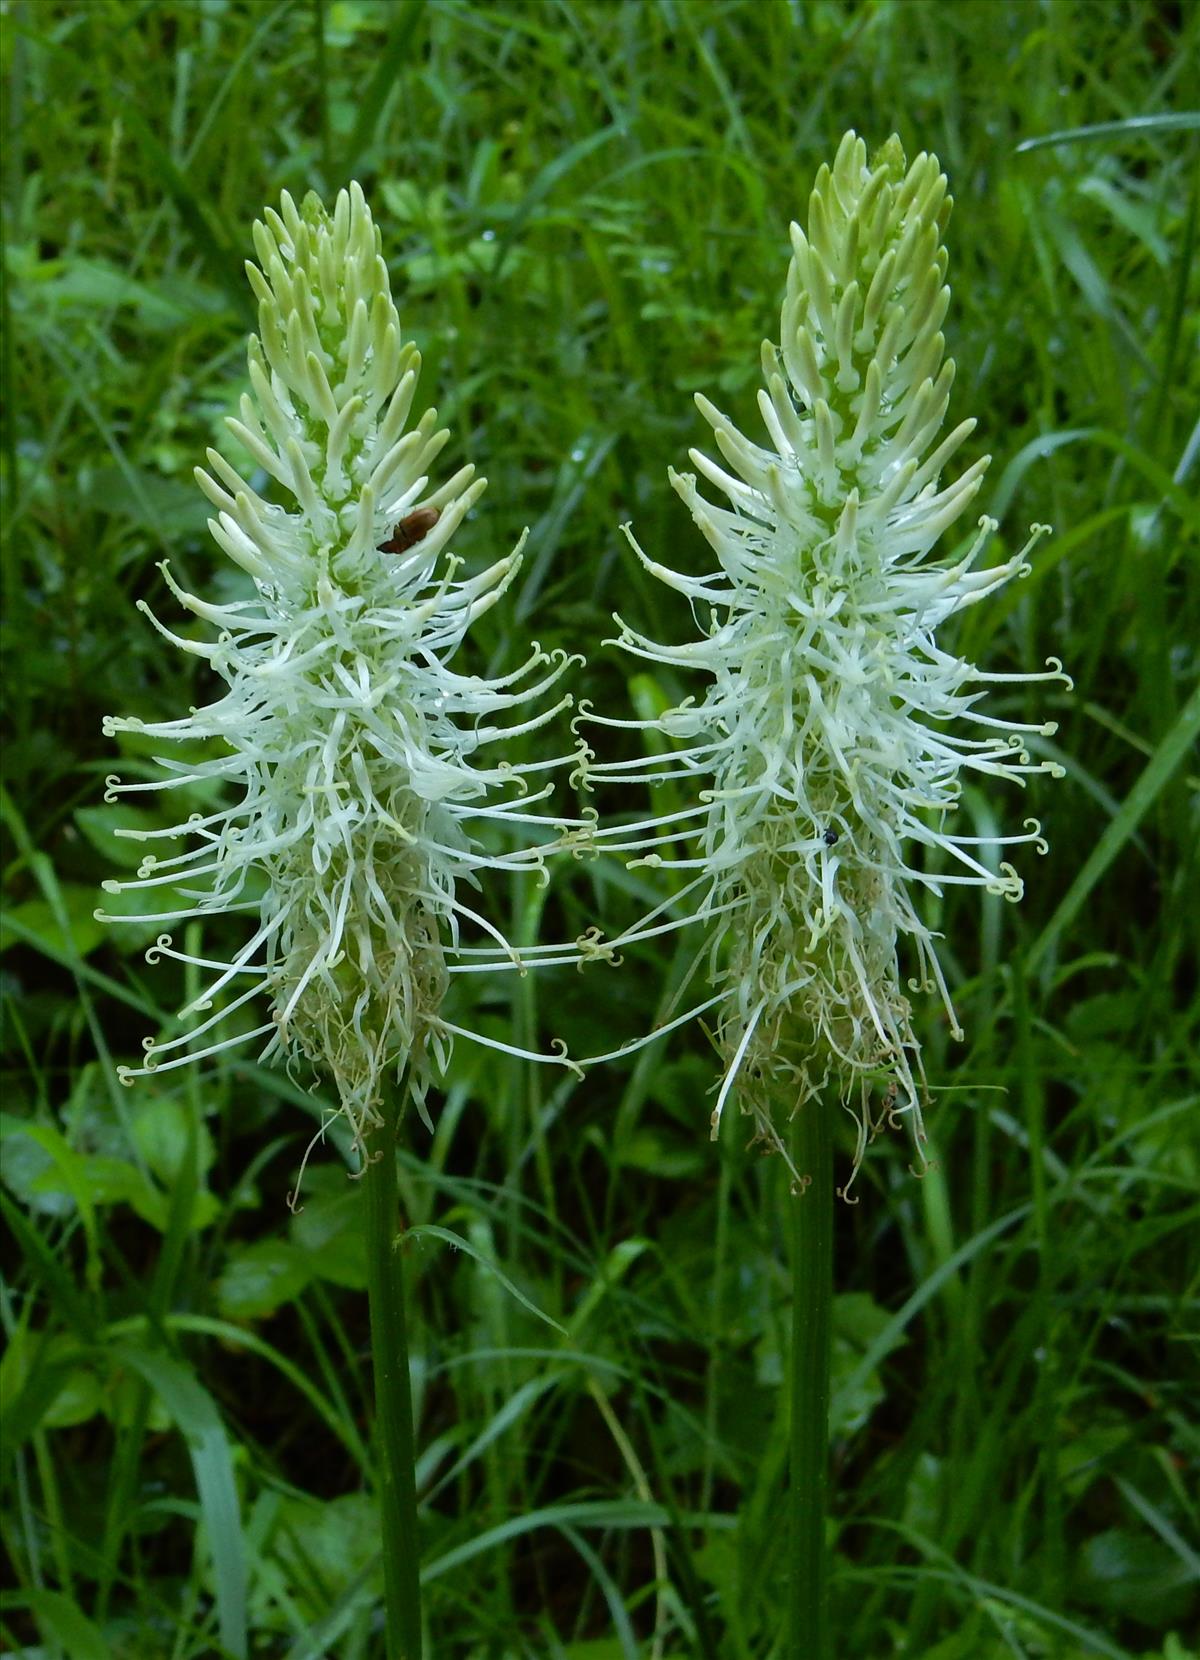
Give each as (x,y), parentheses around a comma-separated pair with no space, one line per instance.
(585,210)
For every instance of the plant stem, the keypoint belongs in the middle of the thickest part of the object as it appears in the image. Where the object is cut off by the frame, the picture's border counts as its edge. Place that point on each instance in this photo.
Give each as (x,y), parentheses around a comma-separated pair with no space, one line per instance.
(393,1406)
(811,1215)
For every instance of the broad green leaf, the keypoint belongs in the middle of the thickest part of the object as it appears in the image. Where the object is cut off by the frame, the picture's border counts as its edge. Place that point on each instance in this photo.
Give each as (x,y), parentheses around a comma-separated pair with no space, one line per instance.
(260,1278)
(100,825)
(1137,1576)
(34,923)
(328,1229)
(859,1326)
(161,1125)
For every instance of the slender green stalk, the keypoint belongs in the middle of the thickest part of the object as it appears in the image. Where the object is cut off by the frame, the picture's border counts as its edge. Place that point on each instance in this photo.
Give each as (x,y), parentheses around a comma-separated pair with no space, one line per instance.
(811,1214)
(393,1406)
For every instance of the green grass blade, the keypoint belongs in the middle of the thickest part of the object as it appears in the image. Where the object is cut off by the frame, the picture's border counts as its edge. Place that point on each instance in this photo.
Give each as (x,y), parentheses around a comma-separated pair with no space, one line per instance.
(602,1513)
(1178,743)
(432,1231)
(62,1621)
(195,1414)
(1185,121)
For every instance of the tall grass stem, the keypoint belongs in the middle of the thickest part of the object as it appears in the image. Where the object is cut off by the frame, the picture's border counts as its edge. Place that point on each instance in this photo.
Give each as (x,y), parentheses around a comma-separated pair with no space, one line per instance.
(393,1405)
(810,1212)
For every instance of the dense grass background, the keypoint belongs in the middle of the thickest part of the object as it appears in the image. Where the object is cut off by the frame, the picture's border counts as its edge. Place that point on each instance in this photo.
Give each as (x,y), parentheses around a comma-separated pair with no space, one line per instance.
(584,207)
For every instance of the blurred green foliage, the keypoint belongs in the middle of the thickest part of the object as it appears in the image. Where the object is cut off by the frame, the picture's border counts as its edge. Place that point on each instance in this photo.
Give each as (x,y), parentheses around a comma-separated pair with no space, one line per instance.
(585,207)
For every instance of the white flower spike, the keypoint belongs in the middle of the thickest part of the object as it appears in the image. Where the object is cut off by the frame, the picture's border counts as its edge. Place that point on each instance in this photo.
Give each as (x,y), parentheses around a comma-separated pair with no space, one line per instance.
(347,743)
(836,729)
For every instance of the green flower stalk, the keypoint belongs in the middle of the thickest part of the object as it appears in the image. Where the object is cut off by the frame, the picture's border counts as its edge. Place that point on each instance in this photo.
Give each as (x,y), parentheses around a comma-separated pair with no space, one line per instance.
(836,730)
(360,771)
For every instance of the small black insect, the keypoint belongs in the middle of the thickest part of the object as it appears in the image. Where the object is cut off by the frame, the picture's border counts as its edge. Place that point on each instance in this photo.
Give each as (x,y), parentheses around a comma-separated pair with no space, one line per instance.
(830,838)
(410,531)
